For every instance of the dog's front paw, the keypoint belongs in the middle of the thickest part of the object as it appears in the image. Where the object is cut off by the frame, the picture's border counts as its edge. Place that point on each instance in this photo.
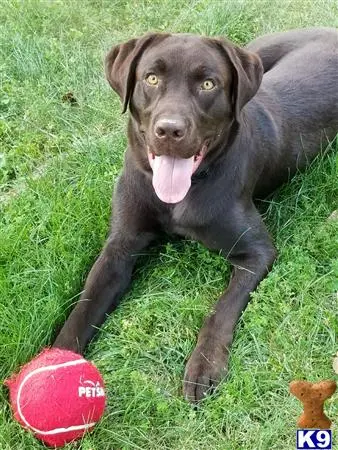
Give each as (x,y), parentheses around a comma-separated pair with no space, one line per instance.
(206,367)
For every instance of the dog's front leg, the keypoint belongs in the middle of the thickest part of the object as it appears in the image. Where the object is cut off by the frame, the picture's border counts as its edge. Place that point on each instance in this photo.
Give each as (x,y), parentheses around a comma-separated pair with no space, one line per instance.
(252,256)
(110,276)
(105,285)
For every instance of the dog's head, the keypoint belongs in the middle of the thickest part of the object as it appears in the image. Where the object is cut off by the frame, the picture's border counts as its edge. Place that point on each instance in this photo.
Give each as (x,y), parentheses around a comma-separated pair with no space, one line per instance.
(184,93)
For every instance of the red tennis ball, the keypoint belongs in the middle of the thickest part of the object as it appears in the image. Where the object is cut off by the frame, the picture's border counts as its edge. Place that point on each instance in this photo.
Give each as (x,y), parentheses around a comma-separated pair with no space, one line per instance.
(58,396)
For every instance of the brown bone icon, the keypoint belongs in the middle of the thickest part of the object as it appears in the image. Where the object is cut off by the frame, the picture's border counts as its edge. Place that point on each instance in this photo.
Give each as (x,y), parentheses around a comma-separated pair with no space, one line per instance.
(313,396)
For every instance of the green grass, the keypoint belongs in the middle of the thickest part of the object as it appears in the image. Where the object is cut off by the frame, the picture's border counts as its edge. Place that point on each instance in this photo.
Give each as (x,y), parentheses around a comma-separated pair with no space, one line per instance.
(58,164)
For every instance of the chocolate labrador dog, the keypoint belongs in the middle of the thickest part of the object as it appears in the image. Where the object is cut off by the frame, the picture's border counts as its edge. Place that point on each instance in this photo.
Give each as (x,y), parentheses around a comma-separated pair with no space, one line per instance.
(212,126)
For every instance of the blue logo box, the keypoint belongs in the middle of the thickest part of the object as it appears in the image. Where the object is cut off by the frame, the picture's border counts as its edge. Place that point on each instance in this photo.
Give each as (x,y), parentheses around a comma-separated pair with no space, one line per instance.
(314,439)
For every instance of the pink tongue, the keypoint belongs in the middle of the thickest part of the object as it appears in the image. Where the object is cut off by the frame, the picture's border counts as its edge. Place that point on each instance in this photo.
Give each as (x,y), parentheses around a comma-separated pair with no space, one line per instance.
(171,177)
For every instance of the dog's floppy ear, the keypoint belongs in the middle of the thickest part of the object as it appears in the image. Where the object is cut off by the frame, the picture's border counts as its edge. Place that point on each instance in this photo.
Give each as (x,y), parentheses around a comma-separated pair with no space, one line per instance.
(247,73)
(121,63)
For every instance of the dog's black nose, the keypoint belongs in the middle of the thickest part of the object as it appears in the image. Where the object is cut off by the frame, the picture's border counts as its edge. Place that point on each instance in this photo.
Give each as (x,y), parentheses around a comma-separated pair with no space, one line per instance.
(170,128)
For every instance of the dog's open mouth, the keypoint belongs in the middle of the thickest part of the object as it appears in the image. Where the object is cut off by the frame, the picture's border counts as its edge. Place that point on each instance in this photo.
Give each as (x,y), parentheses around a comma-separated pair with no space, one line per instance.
(172,175)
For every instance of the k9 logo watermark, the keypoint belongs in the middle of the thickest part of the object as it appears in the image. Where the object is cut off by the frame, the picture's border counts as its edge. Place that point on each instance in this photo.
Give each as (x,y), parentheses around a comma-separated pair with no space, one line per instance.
(314,439)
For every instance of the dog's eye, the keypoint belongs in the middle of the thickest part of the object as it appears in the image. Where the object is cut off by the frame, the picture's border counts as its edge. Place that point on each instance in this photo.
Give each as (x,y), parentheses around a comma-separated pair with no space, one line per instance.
(152,79)
(207,85)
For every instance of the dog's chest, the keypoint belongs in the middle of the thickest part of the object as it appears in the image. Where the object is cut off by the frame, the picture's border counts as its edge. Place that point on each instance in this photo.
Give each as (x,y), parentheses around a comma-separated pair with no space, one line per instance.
(177,219)
(180,213)
(194,215)
(184,219)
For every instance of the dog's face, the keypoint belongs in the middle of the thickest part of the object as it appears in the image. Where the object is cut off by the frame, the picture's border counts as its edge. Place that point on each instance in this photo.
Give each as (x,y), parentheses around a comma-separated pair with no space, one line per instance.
(181,96)
(184,94)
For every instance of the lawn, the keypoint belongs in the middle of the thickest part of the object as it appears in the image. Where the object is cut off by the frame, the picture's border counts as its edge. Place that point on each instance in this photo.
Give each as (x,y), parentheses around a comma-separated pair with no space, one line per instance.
(58,164)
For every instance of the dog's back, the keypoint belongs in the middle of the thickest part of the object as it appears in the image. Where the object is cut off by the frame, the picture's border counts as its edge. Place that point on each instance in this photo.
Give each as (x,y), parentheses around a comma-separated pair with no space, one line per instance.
(273,47)
(299,92)
(301,68)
